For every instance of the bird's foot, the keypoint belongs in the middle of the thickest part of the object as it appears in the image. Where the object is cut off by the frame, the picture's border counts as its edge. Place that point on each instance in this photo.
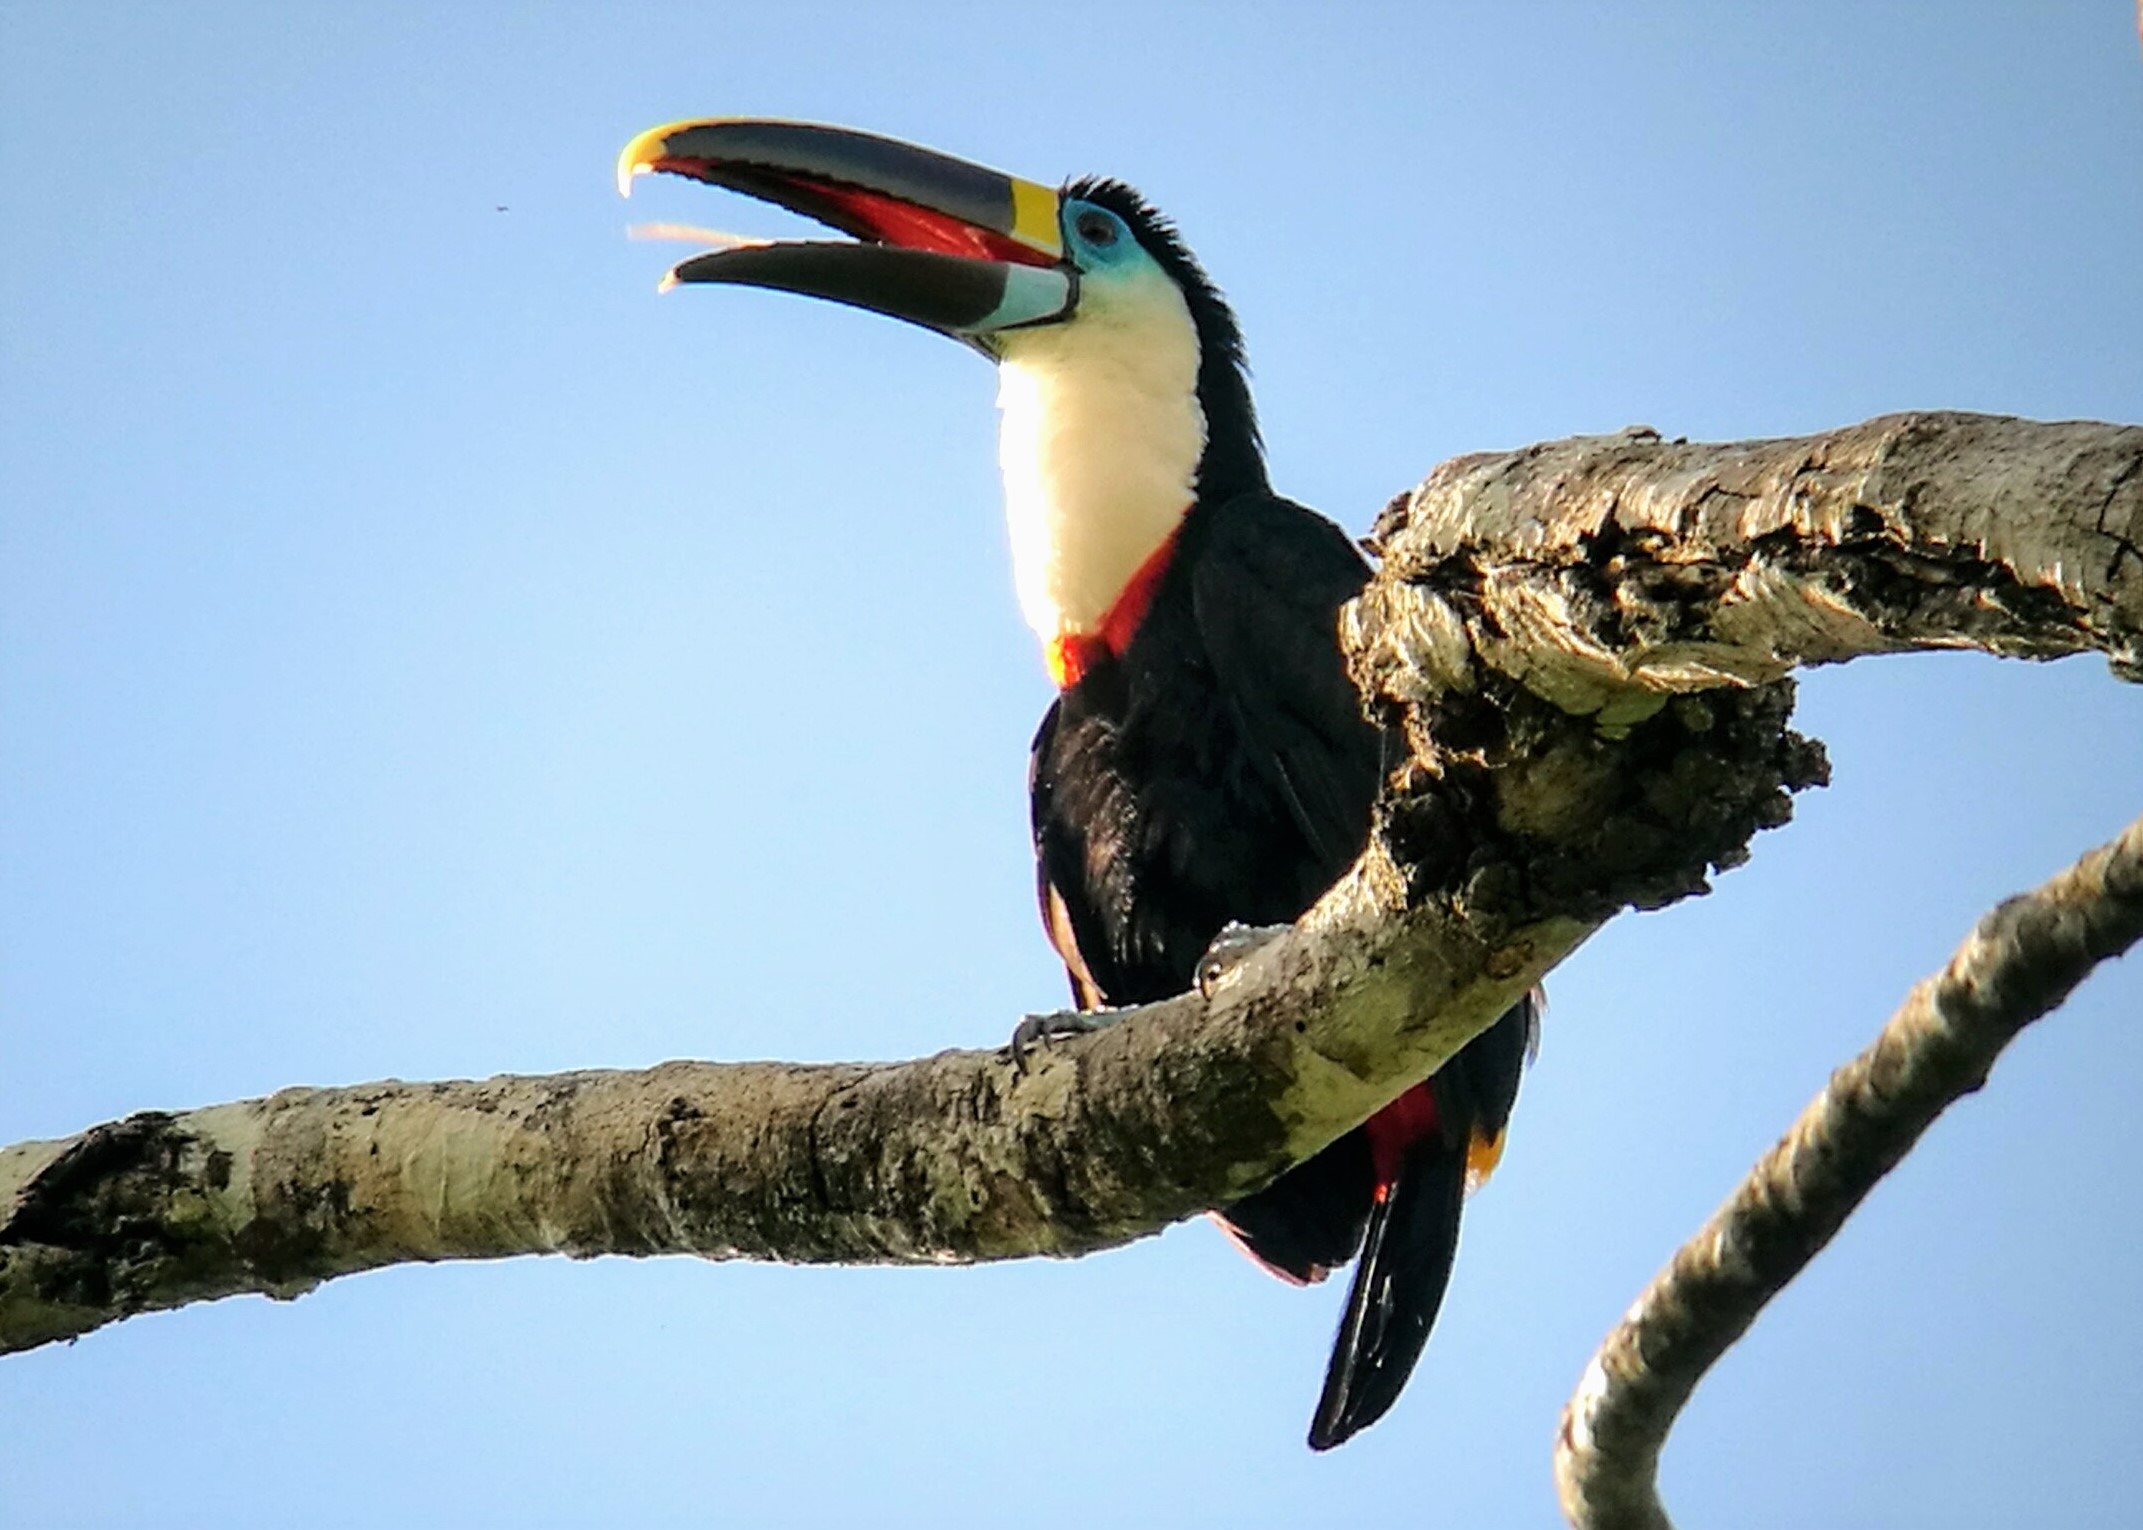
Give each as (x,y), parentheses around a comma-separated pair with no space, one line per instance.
(1233,946)
(1039,1030)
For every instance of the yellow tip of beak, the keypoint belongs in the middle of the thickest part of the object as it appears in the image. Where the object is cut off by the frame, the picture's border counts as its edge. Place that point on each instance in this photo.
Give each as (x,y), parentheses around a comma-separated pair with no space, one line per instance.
(639,156)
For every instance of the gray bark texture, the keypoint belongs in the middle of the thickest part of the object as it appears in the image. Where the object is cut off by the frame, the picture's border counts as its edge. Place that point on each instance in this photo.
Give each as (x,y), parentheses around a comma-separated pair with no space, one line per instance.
(1584,650)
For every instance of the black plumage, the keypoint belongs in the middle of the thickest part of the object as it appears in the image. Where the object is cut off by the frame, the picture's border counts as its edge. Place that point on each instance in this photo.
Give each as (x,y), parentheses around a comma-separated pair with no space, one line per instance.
(1219,769)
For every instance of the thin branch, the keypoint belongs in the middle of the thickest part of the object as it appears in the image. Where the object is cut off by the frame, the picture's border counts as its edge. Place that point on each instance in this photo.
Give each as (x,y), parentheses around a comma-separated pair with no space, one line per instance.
(2018,965)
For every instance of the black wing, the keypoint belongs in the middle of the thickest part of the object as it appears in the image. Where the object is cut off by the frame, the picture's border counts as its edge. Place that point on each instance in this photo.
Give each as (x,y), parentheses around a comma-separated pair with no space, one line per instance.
(1267,597)
(1219,769)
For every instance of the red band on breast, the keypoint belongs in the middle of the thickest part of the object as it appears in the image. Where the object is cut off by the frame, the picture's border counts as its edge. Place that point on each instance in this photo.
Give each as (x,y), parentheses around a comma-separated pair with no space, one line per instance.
(1070,655)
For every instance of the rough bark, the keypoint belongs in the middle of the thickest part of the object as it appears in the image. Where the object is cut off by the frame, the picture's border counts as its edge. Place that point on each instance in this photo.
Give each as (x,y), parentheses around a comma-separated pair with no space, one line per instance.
(957,1157)
(1583,648)
(1605,570)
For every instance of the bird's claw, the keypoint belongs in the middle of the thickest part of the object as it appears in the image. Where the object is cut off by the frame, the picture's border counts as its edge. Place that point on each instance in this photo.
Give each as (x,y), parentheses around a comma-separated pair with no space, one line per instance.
(1039,1030)
(1234,945)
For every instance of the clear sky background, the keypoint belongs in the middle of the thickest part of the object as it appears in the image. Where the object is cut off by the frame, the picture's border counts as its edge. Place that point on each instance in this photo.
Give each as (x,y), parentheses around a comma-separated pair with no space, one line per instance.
(425,652)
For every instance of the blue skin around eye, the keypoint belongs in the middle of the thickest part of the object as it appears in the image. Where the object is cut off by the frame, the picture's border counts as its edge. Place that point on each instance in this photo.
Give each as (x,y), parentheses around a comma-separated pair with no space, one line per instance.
(1120,254)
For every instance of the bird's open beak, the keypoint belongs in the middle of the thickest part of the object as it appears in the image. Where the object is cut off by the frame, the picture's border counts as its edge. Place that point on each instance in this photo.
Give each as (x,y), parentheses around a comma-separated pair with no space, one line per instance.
(942,243)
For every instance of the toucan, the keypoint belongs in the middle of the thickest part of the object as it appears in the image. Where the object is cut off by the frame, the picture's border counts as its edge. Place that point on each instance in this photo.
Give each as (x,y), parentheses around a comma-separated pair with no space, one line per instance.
(1207,761)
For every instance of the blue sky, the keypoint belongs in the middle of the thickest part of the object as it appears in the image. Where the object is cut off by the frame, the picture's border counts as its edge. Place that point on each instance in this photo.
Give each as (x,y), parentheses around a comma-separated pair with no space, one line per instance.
(424,652)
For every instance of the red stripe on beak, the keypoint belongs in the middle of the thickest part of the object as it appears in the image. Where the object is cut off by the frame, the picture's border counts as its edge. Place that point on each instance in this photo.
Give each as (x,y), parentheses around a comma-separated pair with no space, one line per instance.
(903,224)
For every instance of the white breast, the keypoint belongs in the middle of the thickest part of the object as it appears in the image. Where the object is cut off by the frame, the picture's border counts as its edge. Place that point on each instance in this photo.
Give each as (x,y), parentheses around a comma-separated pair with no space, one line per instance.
(1099,445)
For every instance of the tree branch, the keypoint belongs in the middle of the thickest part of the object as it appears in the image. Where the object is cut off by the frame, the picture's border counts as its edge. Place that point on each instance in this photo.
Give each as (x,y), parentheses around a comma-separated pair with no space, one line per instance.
(1581,648)
(951,1158)
(2018,965)
(1603,568)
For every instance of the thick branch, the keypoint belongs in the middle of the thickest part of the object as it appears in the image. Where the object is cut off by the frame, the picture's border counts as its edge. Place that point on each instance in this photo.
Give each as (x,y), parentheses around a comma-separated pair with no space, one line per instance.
(949,1158)
(1603,568)
(1536,641)
(2019,964)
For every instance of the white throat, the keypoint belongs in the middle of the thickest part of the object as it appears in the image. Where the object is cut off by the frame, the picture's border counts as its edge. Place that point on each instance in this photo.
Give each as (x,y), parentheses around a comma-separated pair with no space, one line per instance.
(1099,444)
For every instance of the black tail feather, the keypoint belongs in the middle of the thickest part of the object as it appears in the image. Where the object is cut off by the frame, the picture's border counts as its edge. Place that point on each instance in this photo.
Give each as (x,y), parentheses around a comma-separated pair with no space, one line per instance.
(1310,1219)
(1398,1285)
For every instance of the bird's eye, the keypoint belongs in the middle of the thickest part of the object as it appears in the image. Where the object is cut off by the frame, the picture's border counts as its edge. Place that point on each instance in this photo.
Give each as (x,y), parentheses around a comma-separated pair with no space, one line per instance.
(1096,228)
